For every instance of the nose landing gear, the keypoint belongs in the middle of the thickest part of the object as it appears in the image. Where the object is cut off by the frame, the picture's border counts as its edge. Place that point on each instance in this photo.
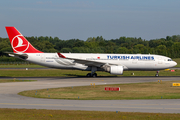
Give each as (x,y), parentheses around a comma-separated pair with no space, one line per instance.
(157,75)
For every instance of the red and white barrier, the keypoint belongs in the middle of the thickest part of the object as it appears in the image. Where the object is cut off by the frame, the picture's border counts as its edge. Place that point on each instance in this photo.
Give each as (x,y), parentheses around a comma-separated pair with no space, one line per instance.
(112,88)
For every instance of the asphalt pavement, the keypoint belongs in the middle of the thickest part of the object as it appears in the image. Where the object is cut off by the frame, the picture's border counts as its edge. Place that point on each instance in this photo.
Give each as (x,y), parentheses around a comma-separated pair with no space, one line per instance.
(10,99)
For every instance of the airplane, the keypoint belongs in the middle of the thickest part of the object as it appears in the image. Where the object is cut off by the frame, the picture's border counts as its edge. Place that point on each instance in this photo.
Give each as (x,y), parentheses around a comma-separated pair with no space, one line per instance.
(113,63)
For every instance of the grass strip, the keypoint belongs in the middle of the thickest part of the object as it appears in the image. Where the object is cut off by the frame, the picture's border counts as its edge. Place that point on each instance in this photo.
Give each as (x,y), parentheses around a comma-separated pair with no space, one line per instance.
(152,90)
(74,73)
(33,114)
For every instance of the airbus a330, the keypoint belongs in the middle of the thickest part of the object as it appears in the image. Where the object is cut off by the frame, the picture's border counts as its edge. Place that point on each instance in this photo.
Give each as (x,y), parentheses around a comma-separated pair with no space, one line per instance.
(112,63)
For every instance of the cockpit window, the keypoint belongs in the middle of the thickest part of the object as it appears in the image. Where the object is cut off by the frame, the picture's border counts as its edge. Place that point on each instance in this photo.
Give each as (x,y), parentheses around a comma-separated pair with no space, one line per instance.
(170,60)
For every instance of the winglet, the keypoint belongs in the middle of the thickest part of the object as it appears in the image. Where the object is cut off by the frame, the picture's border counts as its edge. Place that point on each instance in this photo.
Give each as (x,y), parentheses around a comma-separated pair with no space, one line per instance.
(19,43)
(60,55)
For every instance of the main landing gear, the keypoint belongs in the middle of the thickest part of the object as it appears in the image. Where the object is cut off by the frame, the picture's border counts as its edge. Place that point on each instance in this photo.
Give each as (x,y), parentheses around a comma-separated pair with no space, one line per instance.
(157,75)
(92,74)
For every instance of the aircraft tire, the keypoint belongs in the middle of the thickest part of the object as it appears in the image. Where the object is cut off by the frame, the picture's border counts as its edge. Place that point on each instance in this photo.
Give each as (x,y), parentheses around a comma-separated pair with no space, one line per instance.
(94,75)
(88,75)
(157,75)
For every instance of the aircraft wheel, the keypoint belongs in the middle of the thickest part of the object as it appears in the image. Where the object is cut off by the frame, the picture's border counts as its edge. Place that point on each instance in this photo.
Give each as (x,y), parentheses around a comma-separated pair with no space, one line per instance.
(94,75)
(88,75)
(157,75)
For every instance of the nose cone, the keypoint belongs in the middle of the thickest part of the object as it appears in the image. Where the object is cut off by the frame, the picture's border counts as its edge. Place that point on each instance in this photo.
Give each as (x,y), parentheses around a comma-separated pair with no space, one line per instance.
(174,63)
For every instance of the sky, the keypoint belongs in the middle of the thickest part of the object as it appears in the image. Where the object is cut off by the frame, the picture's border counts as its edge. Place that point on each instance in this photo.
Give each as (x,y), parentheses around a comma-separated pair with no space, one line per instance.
(81,19)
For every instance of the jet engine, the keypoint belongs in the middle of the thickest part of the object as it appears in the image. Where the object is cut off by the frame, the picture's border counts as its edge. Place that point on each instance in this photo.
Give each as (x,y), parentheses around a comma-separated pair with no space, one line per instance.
(115,70)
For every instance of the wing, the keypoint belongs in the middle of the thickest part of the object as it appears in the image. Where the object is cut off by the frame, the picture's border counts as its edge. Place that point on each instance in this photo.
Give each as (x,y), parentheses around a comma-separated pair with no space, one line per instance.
(86,62)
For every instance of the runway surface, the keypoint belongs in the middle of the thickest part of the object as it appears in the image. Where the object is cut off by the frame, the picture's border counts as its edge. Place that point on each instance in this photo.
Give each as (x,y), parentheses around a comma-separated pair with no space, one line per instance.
(10,99)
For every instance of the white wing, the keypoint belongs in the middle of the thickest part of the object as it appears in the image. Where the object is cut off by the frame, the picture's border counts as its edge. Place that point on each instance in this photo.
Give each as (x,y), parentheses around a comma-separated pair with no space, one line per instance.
(86,62)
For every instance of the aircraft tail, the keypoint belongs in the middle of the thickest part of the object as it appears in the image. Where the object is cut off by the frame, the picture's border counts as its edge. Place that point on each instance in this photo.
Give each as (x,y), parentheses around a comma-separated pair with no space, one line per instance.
(19,43)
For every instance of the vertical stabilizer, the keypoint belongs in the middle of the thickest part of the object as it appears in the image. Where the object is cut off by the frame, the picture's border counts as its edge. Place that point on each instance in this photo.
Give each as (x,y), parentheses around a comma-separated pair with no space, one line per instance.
(19,43)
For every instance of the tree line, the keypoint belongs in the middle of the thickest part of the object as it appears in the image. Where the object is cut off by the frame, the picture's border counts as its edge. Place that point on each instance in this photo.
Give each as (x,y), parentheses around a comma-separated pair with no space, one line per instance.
(169,46)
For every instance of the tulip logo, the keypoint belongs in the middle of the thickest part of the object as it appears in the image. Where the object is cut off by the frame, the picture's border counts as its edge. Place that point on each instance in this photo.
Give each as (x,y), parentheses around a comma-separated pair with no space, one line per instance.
(19,44)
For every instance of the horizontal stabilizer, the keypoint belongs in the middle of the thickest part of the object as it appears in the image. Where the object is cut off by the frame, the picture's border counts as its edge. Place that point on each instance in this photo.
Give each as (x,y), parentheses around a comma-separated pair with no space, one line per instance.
(19,55)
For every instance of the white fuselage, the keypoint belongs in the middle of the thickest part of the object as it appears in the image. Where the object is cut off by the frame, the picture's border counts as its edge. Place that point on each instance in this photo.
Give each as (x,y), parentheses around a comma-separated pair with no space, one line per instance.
(128,61)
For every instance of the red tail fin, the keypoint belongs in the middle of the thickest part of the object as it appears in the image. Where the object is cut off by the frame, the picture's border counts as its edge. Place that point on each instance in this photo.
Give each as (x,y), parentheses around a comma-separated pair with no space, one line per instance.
(19,43)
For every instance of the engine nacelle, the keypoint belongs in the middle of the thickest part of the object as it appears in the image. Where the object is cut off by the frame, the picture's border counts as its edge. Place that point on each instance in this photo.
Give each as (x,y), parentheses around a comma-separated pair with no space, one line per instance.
(116,70)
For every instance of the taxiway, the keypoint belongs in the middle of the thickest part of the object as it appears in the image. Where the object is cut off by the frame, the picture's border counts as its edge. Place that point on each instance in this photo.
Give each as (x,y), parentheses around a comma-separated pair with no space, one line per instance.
(10,99)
